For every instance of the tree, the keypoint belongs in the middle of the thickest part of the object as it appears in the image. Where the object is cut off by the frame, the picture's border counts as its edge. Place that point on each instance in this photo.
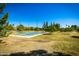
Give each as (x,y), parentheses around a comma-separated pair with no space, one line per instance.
(36,28)
(74,27)
(69,28)
(45,26)
(10,27)
(66,29)
(52,27)
(78,29)
(2,6)
(20,27)
(55,27)
(3,22)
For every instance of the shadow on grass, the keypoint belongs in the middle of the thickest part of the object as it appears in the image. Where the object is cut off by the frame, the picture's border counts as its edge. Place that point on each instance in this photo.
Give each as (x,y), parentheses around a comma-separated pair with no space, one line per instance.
(0,41)
(75,36)
(42,40)
(50,33)
(39,53)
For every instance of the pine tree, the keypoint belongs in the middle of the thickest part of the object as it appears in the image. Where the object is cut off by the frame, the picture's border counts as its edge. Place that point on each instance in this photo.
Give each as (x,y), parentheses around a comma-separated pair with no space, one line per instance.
(45,26)
(3,21)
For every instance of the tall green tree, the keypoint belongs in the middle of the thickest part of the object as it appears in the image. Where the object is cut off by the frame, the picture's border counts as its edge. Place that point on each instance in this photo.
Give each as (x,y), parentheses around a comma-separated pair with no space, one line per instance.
(52,27)
(45,26)
(55,27)
(3,21)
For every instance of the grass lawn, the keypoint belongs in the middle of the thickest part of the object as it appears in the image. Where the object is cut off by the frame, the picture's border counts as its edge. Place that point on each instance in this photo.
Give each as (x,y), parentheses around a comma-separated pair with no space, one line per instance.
(65,42)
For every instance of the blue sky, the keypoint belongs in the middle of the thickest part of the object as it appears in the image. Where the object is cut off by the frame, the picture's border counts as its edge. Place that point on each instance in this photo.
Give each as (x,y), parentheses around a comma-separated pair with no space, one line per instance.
(35,14)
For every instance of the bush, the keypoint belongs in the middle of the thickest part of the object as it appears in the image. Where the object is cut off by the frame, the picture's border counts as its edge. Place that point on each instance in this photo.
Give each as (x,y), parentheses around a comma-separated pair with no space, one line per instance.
(77,29)
(3,33)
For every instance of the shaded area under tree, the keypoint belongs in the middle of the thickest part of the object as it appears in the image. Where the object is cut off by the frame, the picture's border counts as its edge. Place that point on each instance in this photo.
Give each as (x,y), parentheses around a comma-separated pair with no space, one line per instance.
(39,53)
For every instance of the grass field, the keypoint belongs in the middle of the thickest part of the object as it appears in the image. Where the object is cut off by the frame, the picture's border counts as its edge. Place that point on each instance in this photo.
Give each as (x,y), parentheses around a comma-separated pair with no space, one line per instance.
(65,42)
